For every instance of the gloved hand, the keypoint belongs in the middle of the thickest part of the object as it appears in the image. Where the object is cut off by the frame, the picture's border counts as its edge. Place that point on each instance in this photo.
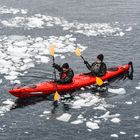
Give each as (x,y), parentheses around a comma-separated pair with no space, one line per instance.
(56,81)
(86,62)
(54,65)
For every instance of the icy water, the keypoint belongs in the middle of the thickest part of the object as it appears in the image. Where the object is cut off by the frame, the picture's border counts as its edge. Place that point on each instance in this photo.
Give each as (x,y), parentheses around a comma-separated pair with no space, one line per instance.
(27,28)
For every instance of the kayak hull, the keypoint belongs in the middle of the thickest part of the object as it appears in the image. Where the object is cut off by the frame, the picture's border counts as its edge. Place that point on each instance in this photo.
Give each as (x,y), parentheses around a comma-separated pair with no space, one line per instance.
(79,81)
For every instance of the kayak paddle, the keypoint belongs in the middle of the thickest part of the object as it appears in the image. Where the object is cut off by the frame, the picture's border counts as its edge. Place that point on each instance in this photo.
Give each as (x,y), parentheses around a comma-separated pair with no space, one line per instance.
(99,81)
(52,51)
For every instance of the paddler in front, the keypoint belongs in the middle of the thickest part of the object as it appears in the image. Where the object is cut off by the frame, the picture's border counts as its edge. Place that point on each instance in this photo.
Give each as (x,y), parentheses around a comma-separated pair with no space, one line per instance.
(98,68)
(66,76)
(66,73)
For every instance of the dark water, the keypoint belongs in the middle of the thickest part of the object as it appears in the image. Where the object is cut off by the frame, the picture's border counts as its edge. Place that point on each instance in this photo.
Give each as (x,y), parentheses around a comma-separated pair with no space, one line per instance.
(25,123)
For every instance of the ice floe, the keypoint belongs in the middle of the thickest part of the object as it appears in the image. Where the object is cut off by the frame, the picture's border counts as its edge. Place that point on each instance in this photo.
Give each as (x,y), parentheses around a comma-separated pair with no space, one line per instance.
(64,117)
(85,100)
(123,133)
(7,104)
(6,10)
(92,125)
(108,115)
(136,135)
(42,21)
(117,91)
(136,117)
(138,87)
(129,102)
(115,120)
(114,135)
(77,122)
(19,53)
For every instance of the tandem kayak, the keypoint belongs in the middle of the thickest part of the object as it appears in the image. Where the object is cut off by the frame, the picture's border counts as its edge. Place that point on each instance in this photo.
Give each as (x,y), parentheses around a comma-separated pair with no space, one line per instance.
(79,81)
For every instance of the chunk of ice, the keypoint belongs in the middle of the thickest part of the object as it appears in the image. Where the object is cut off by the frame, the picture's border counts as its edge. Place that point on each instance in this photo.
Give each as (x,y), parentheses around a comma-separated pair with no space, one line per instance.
(64,117)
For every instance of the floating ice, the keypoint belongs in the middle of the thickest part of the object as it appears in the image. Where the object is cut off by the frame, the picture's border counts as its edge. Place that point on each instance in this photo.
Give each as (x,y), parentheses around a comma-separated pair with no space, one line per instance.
(77,122)
(80,116)
(129,102)
(26,132)
(42,21)
(115,120)
(46,112)
(5,10)
(92,125)
(19,53)
(8,102)
(114,135)
(117,91)
(136,135)
(0,81)
(123,133)
(101,107)
(64,117)
(35,22)
(107,115)
(129,29)
(138,87)
(136,117)
(6,107)
(85,100)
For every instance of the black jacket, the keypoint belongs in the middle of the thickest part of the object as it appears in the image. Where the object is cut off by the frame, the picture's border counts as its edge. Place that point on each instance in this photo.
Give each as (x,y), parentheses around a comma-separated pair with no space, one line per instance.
(68,75)
(97,69)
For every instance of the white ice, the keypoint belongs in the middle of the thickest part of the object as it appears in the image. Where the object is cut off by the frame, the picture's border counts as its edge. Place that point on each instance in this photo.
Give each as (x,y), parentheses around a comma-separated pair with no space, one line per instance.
(19,53)
(77,122)
(123,133)
(115,120)
(6,10)
(6,106)
(64,117)
(42,21)
(114,135)
(86,100)
(92,125)
(136,117)
(138,87)
(108,115)
(117,91)
(136,135)
(129,102)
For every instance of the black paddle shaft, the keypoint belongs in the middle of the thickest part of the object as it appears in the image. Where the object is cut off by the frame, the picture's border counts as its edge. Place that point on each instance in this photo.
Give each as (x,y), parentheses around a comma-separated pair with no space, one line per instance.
(54,71)
(82,58)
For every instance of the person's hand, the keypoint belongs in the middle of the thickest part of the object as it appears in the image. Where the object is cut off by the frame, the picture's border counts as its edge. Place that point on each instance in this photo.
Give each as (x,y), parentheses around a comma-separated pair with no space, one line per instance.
(54,65)
(56,80)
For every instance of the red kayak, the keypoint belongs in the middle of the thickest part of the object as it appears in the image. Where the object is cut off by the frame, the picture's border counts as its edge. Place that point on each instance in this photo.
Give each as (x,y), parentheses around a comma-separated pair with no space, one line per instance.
(79,81)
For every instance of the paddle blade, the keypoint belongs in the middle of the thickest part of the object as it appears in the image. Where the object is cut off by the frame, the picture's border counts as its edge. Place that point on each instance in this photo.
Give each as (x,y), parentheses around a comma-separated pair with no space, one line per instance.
(99,81)
(78,52)
(52,49)
(56,96)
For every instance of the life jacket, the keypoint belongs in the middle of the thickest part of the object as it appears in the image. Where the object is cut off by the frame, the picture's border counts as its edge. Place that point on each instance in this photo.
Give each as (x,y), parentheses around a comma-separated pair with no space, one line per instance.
(63,75)
(96,67)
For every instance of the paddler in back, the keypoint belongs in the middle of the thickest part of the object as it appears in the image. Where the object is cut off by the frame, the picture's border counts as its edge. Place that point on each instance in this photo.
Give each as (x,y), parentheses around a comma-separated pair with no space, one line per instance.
(98,68)
(66,73)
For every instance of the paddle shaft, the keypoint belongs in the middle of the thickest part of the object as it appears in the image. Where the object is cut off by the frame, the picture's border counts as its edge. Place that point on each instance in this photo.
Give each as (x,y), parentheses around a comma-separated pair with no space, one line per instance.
(54,71)
(82,57)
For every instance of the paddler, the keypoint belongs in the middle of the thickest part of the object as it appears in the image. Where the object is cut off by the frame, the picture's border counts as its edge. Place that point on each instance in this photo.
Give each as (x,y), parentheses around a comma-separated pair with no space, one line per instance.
(66,73)
(98,68)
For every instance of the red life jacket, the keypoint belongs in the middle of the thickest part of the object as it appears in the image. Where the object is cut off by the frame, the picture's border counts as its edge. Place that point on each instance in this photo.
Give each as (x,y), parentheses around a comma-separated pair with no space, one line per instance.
(63,75)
